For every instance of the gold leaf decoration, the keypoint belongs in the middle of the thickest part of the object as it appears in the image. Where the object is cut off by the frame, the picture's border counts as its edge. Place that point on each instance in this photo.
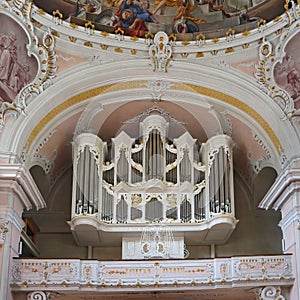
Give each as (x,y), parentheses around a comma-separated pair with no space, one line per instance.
(118,50)
(229,50)
(88,44)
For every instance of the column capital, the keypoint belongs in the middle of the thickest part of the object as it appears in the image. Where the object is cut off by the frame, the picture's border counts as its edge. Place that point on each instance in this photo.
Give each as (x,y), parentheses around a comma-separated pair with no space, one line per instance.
(17,179)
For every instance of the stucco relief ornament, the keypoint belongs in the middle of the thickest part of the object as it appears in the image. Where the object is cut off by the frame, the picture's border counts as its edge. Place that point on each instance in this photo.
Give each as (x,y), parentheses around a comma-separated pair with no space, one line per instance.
(3,232)
(40,295)
(30,59)
(160,52)
(158,88)
(270,293)
(270,57)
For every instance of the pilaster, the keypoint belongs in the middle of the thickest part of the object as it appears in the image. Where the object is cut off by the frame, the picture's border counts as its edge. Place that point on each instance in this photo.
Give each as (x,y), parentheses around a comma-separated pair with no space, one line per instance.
(285,195)
(17,193)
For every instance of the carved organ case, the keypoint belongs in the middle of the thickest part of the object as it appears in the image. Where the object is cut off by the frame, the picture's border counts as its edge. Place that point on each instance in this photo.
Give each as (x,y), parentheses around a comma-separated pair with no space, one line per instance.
(151,193)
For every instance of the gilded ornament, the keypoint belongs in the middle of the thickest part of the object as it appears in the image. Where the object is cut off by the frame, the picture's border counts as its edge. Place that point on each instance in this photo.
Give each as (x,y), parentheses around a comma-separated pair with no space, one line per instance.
(246,33)
(88,44)
(229,50)
(185,43)
(277,19)
(199,54)
(149,35)
(215,40)
(134,38)
(72,39)
(118,50)
(200,37)
(36,24)
(133,51)
(172,38)
(103,47)
(57,14)
(64,283)
(230,33)
(89,25)
(119,31)
(55,33)
(40,11)
(73,25)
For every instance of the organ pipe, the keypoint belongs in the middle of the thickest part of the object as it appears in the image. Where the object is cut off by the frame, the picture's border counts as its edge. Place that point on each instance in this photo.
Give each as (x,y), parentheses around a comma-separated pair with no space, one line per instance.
(203,187)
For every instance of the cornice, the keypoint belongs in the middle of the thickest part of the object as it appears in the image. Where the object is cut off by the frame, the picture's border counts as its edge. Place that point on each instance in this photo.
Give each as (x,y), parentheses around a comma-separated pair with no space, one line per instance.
(78,36)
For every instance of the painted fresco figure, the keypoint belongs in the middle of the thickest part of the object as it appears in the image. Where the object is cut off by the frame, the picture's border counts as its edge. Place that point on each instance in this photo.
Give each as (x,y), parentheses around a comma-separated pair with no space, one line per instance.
(7,56)
(133,16)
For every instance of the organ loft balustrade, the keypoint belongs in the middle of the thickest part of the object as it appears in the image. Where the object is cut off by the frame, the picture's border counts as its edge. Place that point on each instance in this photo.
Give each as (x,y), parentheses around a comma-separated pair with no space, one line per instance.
(152,183)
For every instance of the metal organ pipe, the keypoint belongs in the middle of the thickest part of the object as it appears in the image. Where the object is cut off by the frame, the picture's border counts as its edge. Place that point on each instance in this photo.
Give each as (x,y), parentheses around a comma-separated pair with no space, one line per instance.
(197,199)
(220,179)
(87,149)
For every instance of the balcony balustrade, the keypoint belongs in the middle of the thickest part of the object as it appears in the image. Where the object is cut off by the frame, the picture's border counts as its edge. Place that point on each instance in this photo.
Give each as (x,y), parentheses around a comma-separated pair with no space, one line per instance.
(102,276)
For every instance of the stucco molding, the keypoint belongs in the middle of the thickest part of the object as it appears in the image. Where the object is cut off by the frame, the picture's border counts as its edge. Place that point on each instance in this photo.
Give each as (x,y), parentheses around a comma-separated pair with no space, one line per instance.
(92,77)
(270,55)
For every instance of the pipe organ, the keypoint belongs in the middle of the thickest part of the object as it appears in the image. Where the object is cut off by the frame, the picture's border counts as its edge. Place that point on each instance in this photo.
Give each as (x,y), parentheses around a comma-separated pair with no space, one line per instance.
(152,180)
